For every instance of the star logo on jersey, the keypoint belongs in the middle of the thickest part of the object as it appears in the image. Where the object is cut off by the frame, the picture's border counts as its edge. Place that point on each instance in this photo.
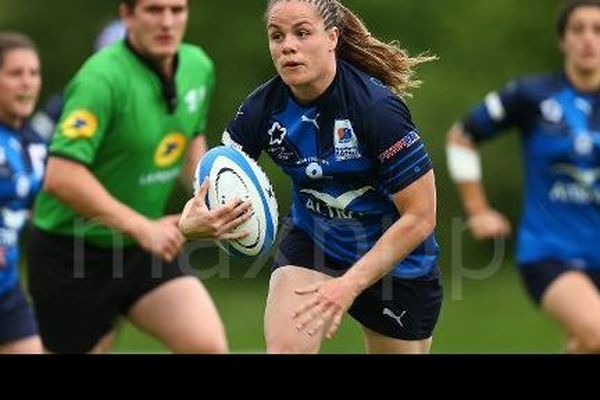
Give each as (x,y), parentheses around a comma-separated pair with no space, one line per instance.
(80,124)
(169,150)
(276,134)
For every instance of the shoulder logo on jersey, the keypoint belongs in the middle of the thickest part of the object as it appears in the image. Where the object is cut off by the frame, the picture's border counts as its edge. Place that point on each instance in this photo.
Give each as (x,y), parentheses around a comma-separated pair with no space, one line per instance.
(344,141)
(551,110)
(80,124)
(193,98)
(169,150)
(402,144)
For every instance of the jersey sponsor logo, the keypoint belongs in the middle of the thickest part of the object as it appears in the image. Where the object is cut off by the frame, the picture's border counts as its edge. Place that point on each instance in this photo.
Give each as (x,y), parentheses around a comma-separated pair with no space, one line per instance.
(345,141)
(159,177)
(584,144)
(193,98)
(334,207)
(551,110)
(13,219)
(80,124)
(169,150)
(494,107)
(8,237)
(404,143)
(22,186)
(314,170)
(581,191)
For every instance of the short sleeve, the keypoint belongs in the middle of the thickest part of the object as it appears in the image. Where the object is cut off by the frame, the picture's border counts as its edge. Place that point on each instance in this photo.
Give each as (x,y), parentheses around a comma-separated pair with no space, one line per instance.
(499,111)
(242,132)
(84,120)
(395,142)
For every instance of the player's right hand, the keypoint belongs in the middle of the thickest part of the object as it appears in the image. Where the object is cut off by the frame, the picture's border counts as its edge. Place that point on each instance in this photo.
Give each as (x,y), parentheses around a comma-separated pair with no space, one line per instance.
(162,237)
(198,222)
(489,224)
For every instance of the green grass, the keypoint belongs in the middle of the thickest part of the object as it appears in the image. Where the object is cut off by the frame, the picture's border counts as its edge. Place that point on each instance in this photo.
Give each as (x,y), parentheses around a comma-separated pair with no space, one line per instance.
(493,316)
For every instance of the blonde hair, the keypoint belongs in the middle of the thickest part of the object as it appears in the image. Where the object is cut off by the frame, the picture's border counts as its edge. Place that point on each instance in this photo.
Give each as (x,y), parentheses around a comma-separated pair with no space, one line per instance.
(387,62)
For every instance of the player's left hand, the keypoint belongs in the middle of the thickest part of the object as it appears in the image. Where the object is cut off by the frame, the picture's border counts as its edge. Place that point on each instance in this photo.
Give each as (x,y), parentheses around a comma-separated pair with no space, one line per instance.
(326,304)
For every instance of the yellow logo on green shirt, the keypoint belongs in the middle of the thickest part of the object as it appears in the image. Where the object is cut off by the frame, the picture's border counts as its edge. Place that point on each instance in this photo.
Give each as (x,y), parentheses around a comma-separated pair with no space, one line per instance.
(169,150)
(80,124)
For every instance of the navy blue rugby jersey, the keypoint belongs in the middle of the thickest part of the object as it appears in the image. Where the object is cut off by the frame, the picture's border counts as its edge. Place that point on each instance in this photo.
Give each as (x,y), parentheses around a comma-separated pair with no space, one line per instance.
(347,153)
(21,172)
(560,140)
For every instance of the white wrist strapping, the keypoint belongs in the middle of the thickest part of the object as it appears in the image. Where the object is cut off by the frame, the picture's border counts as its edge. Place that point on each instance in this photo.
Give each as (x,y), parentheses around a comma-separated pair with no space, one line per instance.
(464,164)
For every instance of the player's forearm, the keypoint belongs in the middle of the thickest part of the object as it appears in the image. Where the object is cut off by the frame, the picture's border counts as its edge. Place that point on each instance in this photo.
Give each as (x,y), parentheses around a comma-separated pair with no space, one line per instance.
(74,185)
(473,197)
(195,151)
(394,245)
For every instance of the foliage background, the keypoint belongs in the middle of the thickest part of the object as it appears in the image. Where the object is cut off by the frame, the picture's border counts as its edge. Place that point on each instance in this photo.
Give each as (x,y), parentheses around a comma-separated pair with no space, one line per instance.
(480,45)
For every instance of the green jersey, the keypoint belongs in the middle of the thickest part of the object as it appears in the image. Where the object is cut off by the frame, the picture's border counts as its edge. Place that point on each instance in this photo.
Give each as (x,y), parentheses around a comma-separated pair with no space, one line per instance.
(131,129)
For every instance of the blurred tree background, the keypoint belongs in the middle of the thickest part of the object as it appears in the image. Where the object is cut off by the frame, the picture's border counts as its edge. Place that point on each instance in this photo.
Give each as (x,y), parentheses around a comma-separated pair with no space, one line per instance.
(480,45)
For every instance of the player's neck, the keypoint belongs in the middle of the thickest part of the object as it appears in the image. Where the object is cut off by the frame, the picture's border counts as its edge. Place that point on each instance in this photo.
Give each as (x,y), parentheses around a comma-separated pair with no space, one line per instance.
(583,81)
(10,121)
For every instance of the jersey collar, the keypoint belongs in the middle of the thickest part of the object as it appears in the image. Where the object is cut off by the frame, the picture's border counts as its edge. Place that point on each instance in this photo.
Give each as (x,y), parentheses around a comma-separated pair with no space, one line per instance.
(169,86)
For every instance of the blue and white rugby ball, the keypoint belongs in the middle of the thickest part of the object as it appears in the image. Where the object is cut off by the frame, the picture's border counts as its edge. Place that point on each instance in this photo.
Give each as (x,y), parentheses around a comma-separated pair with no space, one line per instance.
(233,174)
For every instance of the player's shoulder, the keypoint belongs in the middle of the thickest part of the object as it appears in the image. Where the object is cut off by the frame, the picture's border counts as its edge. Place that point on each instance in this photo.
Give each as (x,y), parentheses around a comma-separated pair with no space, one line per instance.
(106,66)
(361,90)
(195,55)
(269,96)
(538,85)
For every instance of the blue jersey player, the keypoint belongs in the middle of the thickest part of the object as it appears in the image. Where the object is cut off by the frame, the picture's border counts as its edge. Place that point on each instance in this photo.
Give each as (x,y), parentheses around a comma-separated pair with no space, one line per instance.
(559,118)
(21,170)
(359,237)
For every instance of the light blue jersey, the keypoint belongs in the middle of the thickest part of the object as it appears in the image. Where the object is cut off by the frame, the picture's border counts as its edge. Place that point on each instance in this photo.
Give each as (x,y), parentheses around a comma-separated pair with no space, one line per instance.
(561,149)
(347,153)
(21,172)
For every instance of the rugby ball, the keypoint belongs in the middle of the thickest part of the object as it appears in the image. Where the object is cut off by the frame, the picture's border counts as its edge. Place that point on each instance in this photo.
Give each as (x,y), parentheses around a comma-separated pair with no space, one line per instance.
(232,173)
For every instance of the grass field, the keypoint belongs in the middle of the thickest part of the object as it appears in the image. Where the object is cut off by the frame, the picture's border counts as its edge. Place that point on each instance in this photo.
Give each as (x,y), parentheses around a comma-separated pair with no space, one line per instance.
(494,316)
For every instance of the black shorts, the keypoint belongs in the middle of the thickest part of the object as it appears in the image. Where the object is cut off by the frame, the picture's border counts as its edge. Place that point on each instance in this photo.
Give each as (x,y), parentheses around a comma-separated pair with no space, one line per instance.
(406,309)
(79,291)
(16,317)
(537,277)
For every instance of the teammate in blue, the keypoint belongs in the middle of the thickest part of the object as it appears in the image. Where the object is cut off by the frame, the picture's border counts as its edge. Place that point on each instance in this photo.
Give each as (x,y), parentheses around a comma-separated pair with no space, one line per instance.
(558,115)
(360,233)
(21,171)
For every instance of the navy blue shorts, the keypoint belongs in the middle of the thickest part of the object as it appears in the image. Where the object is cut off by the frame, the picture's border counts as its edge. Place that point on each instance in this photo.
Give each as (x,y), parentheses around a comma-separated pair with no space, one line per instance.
(537,277)
(78,300)
(406,309)
(17,320)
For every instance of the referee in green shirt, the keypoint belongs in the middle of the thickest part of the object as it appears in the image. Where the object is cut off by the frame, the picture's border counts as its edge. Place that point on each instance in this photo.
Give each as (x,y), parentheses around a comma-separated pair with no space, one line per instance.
(101,247)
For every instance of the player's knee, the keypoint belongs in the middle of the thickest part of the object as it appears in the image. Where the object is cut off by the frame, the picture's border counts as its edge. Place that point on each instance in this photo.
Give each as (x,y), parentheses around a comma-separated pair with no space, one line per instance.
(200,345)
(287,344)
(590,343)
